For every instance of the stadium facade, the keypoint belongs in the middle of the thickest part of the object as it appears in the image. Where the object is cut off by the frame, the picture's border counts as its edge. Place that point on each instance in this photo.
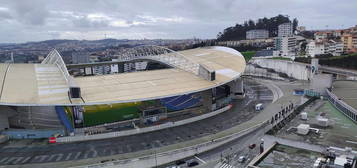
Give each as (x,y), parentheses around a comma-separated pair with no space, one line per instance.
(46,97)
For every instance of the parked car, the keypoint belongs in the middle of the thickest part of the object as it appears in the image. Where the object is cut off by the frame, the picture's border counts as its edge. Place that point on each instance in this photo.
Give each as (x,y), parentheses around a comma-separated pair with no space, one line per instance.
(192,163)
(180,162)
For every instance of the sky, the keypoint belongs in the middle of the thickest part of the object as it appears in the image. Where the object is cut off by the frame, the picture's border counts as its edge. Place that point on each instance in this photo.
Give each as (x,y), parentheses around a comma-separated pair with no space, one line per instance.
(37,20)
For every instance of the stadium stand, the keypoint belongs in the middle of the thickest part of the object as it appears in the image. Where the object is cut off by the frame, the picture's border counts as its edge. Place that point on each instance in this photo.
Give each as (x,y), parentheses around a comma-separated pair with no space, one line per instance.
(180,102)
(63,117)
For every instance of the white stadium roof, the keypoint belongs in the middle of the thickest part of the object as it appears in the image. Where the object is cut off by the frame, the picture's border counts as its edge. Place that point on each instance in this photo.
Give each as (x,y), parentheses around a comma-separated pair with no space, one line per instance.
(48,83)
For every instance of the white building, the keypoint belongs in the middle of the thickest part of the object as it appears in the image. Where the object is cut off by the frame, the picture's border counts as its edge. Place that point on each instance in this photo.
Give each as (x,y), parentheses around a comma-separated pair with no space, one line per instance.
(286,46)
(285,30)
(80,57)
(314,48)
(101,69)
(135,66)
(334,47)
(257,34)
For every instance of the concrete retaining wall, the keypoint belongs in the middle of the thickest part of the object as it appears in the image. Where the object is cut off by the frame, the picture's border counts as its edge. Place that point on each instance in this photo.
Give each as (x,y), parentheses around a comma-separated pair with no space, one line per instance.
(141,130)
(292,69)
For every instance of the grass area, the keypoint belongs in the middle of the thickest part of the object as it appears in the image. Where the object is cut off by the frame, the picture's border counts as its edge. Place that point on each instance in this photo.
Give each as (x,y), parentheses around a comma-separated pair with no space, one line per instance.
(280,58)
(100,114)
(342,56)
(248,55)
(344,61)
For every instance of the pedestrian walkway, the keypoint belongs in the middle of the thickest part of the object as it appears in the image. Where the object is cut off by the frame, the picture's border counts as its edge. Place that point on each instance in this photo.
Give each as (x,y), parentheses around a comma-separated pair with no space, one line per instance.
(224,165)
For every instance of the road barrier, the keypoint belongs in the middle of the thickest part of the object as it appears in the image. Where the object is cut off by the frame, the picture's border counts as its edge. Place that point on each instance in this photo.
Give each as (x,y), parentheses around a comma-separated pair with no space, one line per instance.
(141,130)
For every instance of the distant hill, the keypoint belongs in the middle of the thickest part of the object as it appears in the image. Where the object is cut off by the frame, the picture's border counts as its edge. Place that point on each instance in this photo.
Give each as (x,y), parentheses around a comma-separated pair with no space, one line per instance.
(67,45)
(238,32)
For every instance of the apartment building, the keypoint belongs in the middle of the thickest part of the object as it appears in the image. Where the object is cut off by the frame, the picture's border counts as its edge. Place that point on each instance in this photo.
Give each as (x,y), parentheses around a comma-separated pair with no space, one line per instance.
(285,30)
(257,34)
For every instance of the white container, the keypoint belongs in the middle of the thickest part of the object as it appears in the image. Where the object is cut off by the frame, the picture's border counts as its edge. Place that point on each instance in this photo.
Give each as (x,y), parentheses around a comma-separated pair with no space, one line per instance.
(323,122)
(303,116)
(303,129)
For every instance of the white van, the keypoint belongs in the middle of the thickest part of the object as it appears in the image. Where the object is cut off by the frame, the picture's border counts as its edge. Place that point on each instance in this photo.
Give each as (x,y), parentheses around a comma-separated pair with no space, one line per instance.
(259,107)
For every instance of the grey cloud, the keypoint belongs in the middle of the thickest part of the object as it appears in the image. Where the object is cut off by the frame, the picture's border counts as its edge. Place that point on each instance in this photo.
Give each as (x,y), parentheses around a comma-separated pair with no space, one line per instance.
(5,15)
(84,22)
(32,12)
(158,18)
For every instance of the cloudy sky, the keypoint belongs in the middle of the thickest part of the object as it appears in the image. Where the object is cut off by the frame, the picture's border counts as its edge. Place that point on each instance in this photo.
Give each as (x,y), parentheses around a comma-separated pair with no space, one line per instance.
(35,20)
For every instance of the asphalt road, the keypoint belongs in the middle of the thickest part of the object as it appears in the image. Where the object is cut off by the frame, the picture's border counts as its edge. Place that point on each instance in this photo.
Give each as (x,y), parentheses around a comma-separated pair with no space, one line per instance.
(243,110)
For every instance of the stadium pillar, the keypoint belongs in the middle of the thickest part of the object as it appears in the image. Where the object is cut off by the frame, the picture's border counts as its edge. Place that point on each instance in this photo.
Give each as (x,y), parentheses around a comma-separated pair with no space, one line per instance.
(237,89)
(121,67)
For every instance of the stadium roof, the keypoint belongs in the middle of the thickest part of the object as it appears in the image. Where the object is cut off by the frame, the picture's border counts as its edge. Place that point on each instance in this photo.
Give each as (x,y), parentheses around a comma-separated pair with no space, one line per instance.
(48,83)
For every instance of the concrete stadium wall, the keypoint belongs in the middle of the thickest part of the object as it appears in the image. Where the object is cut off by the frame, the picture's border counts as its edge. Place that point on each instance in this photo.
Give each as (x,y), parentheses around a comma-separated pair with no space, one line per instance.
(4,121)
(292,69)
(141,130)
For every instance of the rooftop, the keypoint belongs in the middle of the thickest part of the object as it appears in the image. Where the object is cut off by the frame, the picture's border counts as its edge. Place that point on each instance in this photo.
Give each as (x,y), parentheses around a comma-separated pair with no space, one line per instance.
(45,84)
(341,132)
(346,91)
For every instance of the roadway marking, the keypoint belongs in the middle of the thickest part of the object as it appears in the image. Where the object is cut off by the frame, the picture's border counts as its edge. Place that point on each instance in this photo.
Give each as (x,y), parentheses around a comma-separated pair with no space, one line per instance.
(200,160)
(68,156)
(76,157)
(13,160)
(57,156)
(40,158)
(3,159)
(225,165)
(248,102)
(26,159)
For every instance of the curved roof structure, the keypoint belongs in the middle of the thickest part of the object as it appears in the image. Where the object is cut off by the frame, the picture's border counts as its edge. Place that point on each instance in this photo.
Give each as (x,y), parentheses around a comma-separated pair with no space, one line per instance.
(48,83)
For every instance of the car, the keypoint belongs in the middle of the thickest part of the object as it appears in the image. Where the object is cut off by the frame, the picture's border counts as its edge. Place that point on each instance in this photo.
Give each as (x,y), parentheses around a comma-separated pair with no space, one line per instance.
(180,162)
(192,163)
(241,159)
(173,167)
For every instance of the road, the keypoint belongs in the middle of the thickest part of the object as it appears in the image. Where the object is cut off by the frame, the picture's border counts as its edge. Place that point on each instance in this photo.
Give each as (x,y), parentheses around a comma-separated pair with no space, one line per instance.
(243,110)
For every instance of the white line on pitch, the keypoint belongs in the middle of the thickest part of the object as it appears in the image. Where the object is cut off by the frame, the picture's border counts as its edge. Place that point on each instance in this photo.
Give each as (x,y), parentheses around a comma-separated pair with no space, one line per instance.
(200,160)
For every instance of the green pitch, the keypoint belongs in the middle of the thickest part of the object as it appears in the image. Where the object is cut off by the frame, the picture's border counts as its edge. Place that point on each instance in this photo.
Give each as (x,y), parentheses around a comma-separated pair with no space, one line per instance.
(101,114)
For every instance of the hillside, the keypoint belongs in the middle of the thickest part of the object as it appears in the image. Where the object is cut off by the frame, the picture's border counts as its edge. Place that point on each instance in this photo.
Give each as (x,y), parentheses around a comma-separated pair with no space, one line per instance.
(238,31)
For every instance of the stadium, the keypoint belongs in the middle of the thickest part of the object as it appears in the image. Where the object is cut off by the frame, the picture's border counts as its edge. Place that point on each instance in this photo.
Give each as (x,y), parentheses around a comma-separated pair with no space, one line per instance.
(42,100)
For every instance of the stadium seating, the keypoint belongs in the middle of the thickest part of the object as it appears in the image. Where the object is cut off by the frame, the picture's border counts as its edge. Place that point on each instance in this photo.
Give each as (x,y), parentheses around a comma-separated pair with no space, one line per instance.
(64,119)
(180,102)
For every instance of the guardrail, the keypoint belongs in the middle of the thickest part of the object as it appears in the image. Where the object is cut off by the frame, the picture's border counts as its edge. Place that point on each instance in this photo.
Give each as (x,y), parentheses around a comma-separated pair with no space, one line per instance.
(141,130)
(343,107)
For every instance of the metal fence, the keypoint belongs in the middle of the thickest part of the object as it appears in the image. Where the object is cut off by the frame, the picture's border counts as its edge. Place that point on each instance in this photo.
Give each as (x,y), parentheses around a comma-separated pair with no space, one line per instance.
(346,109)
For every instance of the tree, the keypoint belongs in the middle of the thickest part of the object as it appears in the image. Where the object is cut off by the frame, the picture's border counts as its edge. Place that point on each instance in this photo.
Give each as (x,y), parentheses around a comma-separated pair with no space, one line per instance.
(238,32)
(295,24)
